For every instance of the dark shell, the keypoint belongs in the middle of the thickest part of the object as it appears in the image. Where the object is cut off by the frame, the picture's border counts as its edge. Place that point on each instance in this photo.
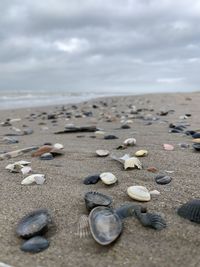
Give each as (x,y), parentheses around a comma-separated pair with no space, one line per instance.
(93,179)
(196,146)
(190,132)
(190,210)
(34,223)
(151,220)
(35,244)
(196,135)
(95,199)
(110,137)
(105,225)
(125,126)
(163,179)
(128,210)
(46,156)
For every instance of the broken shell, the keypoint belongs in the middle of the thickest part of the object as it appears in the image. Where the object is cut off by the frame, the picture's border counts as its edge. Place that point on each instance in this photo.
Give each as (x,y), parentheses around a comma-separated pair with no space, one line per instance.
(94,199)
(190,210)
(34,178)
(168,147)
(140,193)
(17,166)
(83,227)
(130,142)
(102,153)
(105,225)
(108,178)
(132,163)
(26,170)
(93,179)
(35,244)
(141,153)
(33,224)
(127,210)
(163,179)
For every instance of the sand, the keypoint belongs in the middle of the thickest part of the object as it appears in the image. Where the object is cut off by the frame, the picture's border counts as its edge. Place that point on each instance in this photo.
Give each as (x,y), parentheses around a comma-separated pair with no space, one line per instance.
(62,194)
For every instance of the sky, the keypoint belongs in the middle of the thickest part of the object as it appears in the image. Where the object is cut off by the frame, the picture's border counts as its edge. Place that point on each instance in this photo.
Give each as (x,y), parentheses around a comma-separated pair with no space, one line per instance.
(100,45)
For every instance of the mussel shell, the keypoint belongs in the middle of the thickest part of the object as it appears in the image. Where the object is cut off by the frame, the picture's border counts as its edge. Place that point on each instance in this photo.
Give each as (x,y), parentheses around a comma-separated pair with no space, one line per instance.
(95,199)
(35,244)
(105,225)
(163,179)
(93,179)
(196,135)
(33,224)
(151,220)
(196,146)
(190,210)
(110,137)
(128,210)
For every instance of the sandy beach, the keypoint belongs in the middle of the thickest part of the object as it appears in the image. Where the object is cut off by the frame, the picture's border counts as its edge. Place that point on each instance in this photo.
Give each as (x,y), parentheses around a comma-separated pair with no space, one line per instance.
(63,192)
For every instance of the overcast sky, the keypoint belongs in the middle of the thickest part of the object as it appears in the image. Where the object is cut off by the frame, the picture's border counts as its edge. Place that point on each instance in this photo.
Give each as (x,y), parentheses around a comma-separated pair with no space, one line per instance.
(93,45)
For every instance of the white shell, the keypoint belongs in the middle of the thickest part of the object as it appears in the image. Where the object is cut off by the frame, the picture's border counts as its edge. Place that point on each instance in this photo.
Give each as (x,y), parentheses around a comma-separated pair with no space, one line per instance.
(141,153)
(17,166)
(130,142)
(154,193)
(58,146)
(102,153)
(99,134)
(34,178)
(26,170)
(132,163)
(138,192)
(108,178)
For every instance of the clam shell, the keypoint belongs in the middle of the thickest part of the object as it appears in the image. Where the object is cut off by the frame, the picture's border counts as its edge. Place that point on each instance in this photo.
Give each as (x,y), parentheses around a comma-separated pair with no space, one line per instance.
(94,199)
(152,220)
(105,225)
(163,179)
(139,193)
(196,146)
(190,210)
(99,134)
(102,153)
(108,178)
(93,179)
(132,163)
(141,153)
(35,244)
(34,178)
(130,142)
(26,170)
(46,156)
(58,146)
(33,224)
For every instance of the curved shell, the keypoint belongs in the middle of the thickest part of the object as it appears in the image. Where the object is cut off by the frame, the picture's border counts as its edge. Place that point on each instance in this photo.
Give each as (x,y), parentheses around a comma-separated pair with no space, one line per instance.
(132,163)
(152,220)
(83,227)
(196,146)
(141,153)
(102,153)
(34,178)
(190,210)
(168,147)
(35,244)
(93,179)
(105,225)
(139,193)
(127,210)
(163,179)
(130,142)
(94,199)
(33,224)
(108,178)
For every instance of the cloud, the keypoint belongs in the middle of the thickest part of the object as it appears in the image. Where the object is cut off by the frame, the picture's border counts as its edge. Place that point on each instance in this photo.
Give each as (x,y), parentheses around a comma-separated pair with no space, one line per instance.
(100,45)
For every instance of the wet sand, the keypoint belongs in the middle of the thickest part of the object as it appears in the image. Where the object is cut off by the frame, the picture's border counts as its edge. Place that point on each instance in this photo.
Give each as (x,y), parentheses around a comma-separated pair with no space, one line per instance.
(63,191)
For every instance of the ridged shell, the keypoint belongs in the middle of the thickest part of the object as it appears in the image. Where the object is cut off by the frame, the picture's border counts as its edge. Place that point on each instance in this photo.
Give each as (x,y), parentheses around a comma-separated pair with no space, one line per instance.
(190,210)
(94,199)
(83,227)
(108,178)
(163,179)
(35,244)
(105,225)
(139,193)
(33,224)
(93,179)
(152,220)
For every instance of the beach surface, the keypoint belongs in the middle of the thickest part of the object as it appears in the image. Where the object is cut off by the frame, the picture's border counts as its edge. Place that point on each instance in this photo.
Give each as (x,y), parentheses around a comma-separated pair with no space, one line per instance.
(63,191)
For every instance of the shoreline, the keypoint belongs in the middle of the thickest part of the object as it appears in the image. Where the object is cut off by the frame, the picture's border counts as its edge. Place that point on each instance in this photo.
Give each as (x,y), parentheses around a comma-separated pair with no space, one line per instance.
(63,191)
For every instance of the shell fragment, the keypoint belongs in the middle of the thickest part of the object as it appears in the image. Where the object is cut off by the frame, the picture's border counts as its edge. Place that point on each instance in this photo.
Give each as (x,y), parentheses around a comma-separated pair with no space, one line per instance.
(34,178)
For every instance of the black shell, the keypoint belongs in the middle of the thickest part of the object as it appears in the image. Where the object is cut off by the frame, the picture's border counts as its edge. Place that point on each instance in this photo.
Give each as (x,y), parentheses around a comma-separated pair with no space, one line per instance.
(46,156)
(35,244)
(110,137)
(128,210)
(93,179)
(105,225)
(196,146)
(196,135)
(190,210)
(163,179)
(94,199)
(152,220)
(33,224)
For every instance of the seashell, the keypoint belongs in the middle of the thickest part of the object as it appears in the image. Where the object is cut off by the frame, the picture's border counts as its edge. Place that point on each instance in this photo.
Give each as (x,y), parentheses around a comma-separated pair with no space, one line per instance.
(10,140)
(141,153)
(152,169)
(33,224)
(58,146)
(100,134)
(196,135)
(154,193)
(196,140)
(196,146)
(23,162)
(190,210)
(105,225)
(94,199)
(102,153)
(93,179)
(34,178)
(42,150)
(108,178)
(4,264)
(122,159)
(14,167)
(35,244)
(140,193)
(127,210)
(168,147)
(125,126)
(163,179)
(83,227)
(110,137)
(130,142)
(56,152)
(132,163)
(152,220)
(26,170)
(46,156)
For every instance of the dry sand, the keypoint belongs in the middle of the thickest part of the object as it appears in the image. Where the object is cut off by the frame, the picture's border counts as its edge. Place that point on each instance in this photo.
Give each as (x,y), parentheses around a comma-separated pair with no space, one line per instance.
(62,194)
